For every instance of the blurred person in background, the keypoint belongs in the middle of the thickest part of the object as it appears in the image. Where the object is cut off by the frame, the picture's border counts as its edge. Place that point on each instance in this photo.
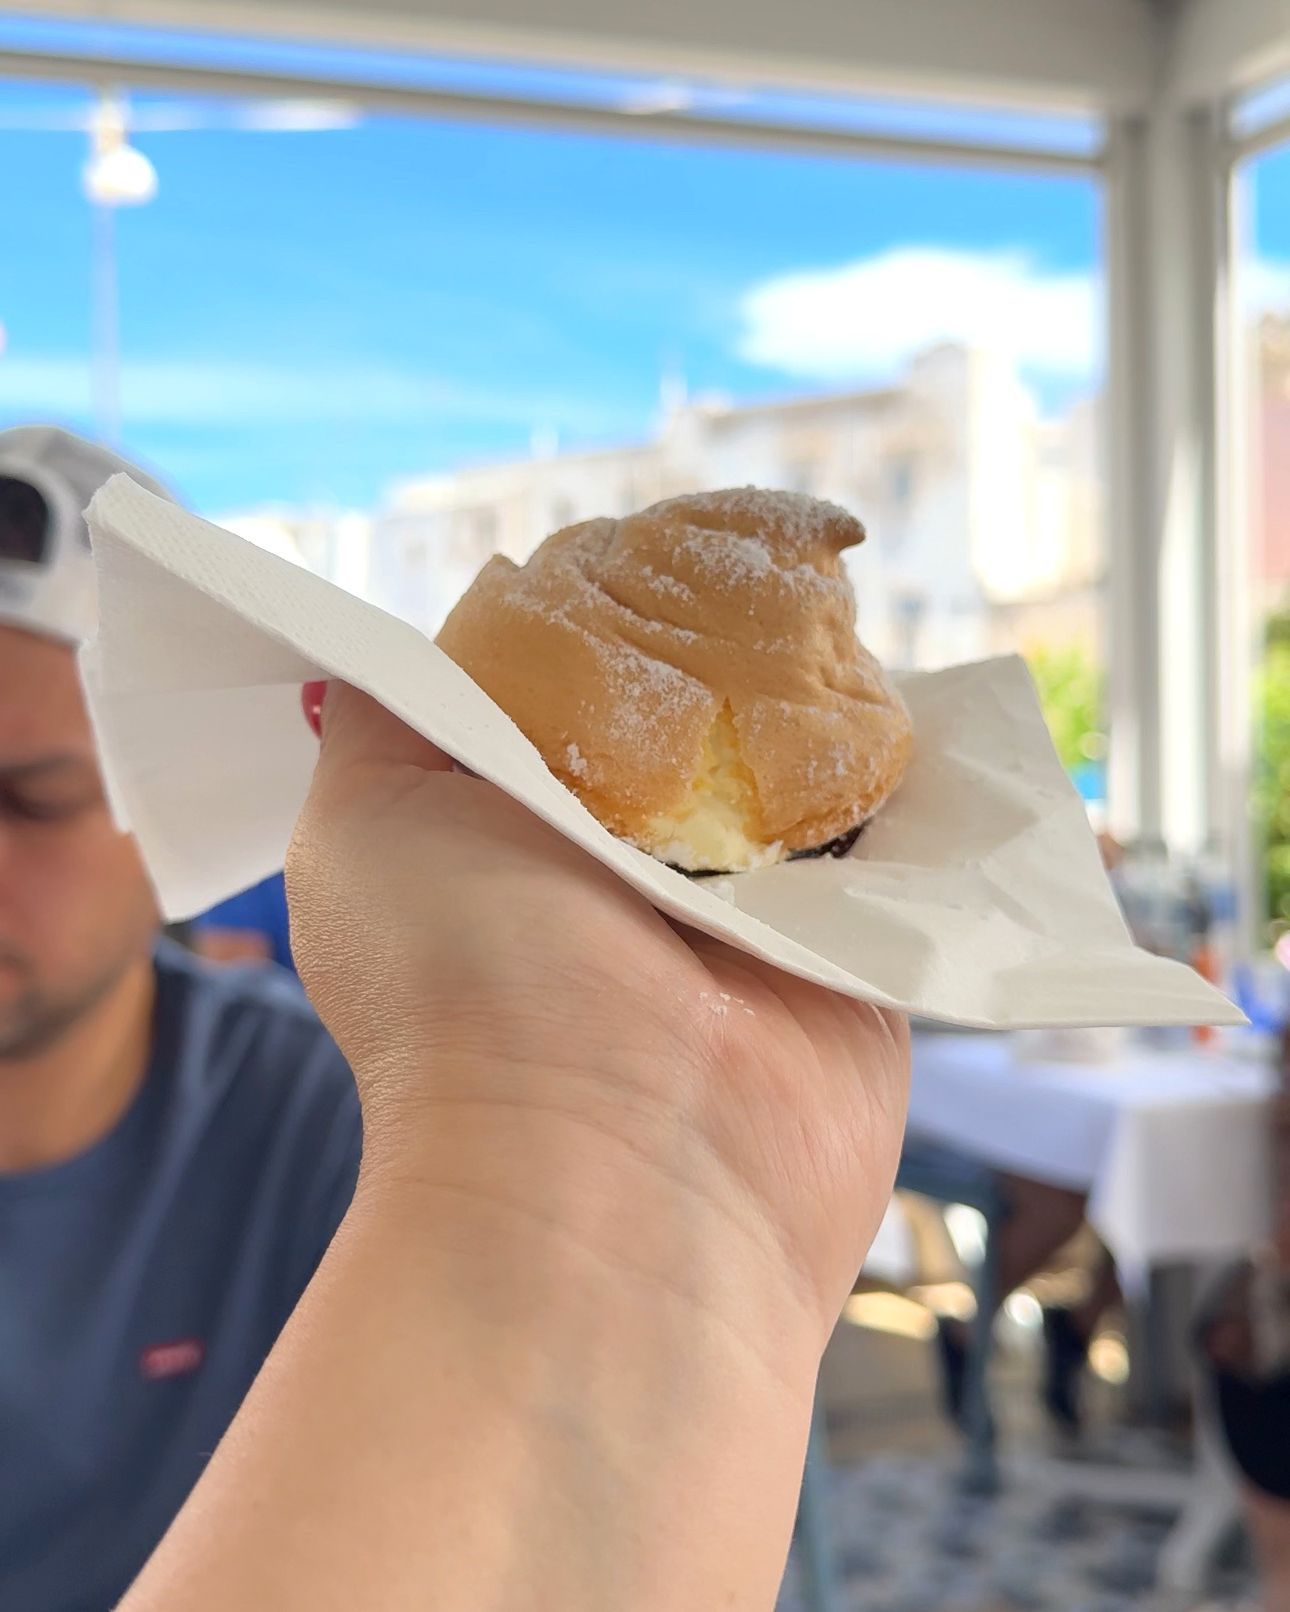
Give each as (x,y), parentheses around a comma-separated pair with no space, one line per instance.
(1039,1221)
(177,1145)
(1244,1338)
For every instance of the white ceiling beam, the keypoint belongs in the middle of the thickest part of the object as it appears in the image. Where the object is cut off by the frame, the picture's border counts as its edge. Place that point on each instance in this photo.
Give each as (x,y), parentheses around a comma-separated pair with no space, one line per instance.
(495,110)
(1094,54)
(1221,47)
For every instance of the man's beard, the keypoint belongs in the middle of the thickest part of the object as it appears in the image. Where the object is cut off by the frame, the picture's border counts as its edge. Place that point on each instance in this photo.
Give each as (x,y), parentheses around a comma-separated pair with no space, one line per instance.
(32,1020)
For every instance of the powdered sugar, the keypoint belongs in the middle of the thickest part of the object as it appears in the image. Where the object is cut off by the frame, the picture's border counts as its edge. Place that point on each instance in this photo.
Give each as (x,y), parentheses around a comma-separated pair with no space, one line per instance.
(720,1003)
(836,763)
(647,698)
(808,576)
(649,695)
(608,589)
(742,542)
(588,591)
(797,519)
(729,560)
(669,586)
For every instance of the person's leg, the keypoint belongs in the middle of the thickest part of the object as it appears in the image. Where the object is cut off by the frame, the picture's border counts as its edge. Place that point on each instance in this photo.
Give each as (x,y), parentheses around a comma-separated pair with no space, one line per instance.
(1041,1219)
(1103,1294)
(1255,1416)
(1038,1221)
(1067,1335)
(1268,1521)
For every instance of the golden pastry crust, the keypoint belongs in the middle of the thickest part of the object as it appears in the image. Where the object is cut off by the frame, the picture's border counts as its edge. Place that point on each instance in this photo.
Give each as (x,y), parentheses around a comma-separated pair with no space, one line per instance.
(624,646)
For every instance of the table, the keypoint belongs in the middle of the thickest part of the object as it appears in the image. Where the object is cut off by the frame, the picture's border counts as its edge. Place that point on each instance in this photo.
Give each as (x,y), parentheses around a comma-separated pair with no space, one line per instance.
(1171,1144)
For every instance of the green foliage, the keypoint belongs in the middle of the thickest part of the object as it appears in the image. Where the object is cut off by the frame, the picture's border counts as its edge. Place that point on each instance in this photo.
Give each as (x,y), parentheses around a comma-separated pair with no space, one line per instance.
(1070,691)
(1272,767)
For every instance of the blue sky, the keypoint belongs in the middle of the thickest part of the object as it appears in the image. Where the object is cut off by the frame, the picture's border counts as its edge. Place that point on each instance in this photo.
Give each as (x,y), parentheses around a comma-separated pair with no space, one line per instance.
(309,316)
(1268,178)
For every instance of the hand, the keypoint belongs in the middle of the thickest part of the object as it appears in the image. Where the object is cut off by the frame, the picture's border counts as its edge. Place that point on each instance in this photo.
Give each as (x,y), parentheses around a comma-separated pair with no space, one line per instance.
(474,966)
(616,1182)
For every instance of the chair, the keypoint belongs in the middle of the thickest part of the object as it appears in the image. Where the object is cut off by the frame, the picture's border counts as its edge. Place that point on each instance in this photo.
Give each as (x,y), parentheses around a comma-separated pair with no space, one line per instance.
(945,1177)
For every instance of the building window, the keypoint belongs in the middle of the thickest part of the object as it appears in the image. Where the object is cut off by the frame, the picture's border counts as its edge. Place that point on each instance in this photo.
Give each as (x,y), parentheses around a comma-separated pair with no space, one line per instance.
(908,610)
(483,527)
(416,572)
(900,483)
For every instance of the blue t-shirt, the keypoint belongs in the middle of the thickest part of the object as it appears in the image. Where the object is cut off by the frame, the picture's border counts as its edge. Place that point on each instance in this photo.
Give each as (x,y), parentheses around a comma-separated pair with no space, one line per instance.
(263,909)
(143,1282)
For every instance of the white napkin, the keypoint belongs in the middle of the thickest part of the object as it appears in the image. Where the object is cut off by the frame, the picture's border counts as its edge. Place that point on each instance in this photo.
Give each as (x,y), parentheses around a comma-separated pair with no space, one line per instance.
(976,897)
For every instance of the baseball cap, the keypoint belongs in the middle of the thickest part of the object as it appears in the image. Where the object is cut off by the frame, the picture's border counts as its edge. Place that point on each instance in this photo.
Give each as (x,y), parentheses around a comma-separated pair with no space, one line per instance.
(47,477)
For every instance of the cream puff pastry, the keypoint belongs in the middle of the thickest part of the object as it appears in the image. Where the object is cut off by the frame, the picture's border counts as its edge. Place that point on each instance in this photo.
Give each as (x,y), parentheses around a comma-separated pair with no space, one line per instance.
(692,673)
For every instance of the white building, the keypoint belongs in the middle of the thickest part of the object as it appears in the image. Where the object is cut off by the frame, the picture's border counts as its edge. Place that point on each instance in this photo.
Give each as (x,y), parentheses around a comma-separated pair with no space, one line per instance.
(970,499)
(336,543)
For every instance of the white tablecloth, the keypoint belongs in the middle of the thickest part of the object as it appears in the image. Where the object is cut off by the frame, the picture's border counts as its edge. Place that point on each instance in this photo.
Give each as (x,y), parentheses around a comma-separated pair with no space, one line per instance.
(1170,1144)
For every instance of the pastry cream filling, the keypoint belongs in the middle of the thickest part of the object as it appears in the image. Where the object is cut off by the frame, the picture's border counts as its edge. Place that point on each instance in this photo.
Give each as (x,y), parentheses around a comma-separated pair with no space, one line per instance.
(709,831)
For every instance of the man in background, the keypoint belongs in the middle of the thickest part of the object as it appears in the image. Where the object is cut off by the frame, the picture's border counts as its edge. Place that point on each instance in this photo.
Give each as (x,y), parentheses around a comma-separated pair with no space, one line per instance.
(177,1145)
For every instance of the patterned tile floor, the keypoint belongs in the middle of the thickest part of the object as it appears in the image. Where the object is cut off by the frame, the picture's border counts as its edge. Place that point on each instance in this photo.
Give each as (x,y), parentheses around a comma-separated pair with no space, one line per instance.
(909,1542)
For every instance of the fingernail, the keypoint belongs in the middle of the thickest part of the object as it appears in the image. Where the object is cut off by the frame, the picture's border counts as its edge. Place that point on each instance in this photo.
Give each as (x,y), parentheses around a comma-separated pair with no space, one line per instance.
(311,703)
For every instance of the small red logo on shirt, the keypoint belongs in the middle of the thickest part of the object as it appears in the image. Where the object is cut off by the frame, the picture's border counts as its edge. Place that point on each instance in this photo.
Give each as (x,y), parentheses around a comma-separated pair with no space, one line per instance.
(178,1358)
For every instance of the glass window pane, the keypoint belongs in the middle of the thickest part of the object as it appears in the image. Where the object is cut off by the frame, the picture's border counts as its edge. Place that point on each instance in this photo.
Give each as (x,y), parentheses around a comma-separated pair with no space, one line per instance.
(396,345)
(1261,108)
(1267,289)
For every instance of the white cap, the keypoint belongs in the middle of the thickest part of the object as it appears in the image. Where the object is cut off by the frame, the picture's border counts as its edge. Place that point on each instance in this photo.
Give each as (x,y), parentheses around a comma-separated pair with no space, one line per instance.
(47,478)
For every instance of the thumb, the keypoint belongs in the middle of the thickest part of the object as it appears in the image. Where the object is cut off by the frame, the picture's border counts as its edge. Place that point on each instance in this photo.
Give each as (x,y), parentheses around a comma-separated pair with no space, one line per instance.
(358,730)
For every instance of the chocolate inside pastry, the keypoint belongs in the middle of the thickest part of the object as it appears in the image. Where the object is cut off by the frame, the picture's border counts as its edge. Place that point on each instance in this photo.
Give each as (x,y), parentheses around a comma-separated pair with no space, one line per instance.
(836,847)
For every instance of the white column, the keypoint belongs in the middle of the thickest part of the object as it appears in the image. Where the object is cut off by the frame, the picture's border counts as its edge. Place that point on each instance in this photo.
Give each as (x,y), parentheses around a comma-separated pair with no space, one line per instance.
(1167,246)
(1239,647)
(1133,690)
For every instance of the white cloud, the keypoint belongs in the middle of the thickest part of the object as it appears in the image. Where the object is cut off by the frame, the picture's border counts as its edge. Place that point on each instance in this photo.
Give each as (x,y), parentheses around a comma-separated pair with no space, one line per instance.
(1265,283)
(866,319)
